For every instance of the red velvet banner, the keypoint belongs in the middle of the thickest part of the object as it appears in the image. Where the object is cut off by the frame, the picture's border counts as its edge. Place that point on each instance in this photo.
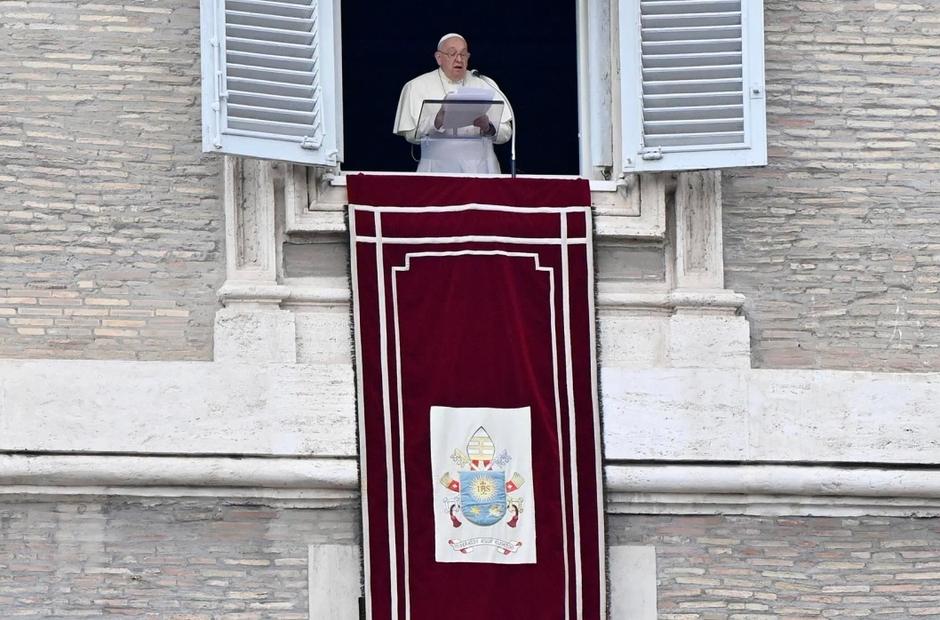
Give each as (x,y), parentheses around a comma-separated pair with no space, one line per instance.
(480,444)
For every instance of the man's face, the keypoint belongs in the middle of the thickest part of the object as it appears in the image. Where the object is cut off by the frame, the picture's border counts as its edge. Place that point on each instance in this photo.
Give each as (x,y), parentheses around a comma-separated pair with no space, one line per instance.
(452,58)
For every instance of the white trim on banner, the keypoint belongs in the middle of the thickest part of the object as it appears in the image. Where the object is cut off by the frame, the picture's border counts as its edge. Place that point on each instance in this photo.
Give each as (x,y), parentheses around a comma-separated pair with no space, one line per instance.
(361,411)
(561,456)
(473,206)
(474,239)
(401,452)
(572,423)
(554,339)
(387,413)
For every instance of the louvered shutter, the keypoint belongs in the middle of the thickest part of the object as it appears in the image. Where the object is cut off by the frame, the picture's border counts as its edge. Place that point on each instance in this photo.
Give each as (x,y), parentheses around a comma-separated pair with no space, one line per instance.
(692,84)
(270,79)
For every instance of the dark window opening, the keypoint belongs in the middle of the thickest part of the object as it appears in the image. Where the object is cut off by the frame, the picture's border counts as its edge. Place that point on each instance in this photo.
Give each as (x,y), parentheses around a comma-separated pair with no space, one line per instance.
(527,46)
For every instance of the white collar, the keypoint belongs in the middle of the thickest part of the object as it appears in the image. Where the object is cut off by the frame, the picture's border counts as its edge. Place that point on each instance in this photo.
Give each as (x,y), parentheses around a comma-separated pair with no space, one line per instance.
(446,80)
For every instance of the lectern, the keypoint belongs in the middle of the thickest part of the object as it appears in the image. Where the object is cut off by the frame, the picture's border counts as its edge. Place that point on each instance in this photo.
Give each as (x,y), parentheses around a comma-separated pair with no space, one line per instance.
(450,142)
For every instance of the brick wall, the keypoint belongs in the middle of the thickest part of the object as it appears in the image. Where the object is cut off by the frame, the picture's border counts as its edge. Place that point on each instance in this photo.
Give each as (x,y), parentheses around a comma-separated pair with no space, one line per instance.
(751,568)
(170,559)
(110,219)
(111,227)
(836,243)
(210,558)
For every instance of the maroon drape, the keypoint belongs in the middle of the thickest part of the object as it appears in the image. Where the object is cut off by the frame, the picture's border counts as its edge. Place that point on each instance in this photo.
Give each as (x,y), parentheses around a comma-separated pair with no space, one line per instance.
(491,306)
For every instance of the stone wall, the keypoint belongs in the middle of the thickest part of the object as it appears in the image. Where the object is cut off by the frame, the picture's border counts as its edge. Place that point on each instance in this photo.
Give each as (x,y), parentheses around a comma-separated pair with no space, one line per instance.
(111,223)
(110,218)
(191,559)
(201,558)
(835,243)
(756,568)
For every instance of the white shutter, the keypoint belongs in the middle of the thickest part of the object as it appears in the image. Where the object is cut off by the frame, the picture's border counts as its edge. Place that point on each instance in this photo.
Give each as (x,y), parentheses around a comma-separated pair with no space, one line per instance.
(270,79)
(692,84)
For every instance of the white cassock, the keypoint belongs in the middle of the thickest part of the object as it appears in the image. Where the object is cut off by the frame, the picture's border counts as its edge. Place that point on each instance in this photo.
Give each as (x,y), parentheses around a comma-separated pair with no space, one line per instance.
(449,155)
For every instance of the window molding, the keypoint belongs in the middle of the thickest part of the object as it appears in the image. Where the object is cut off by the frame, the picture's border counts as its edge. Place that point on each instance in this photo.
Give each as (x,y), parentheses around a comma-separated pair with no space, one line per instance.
(630,208)
(596,53)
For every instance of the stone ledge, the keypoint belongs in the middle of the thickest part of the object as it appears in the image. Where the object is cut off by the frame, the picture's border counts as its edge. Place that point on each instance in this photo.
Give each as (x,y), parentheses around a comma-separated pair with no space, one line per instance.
(662,415)
(744,415)
(327,291)
(769,505)
(177,471)
(631,489)
(624,210)
(794,480)
(182,408)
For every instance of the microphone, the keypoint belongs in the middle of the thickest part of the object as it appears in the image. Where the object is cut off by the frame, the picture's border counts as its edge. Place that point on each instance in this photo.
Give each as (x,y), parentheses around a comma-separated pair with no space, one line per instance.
(512,144)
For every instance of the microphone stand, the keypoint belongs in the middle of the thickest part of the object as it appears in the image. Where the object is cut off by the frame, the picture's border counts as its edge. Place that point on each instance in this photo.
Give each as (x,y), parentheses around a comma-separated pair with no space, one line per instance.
(512,144)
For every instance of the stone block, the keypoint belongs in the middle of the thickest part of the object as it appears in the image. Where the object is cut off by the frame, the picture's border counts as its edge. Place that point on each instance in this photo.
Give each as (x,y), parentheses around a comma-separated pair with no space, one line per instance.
(258,336)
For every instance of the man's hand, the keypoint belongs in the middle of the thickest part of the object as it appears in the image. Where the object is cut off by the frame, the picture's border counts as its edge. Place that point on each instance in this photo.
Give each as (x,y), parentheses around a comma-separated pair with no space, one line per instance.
(486,127)
(439,119)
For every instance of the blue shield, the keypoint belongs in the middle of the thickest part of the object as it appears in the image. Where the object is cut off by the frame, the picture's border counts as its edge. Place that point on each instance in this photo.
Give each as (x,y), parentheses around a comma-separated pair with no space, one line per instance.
(483,496)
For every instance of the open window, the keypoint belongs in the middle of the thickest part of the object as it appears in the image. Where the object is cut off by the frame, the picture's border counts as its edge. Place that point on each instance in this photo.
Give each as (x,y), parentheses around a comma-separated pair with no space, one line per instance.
(535,66)
(689,93)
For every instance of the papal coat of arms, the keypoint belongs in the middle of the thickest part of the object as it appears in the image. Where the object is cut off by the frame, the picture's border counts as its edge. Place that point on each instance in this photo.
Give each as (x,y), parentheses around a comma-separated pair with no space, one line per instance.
(482,494)
(483,485)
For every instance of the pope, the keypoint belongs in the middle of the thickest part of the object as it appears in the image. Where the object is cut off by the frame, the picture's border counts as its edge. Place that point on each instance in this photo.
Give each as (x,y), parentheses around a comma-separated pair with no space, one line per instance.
(441,152)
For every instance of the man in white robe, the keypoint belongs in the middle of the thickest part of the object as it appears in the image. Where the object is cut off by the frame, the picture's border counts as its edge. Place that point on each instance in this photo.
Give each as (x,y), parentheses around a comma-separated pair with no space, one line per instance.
(440,153)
